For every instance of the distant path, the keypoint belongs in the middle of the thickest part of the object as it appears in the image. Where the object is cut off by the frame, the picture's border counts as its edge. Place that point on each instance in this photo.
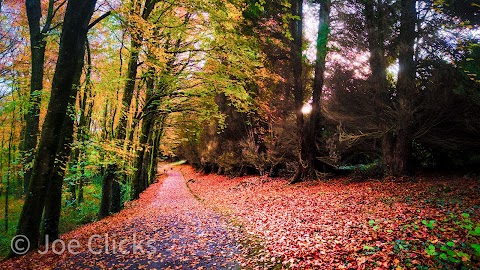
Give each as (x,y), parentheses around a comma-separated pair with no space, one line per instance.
(183,234)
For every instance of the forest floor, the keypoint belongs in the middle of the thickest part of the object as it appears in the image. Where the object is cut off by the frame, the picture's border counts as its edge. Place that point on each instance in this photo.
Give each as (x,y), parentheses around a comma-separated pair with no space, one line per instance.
(428,223)
(167,228)
(254,222)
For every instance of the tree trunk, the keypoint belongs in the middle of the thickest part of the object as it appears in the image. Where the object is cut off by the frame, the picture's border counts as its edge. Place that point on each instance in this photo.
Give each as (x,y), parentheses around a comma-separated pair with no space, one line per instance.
(403,152)
(115,206)
(73,192)
(406,89)
(145,166)
(75,27)
(148,119)
(149,168)
(388,153)
(382,102)
(53,205)
(153,157)
(120,132)
(296,26)
(137,186)
(80,198)
(375,29)
(314,127)
(107,181)
(32,116)
(51,217)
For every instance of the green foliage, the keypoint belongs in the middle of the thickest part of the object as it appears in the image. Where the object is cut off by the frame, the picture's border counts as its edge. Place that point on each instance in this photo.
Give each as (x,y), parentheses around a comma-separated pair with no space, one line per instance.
(423,155)
(429,224)
(255,9)
(362,172)
(476,247)
(75,215)
(72,215)
(454,251)
(471,64)
(15,208)
(430,250)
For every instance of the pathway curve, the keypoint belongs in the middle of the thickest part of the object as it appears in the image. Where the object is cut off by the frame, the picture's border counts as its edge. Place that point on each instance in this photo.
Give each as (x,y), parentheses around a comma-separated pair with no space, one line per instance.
(176,231)
(172,231)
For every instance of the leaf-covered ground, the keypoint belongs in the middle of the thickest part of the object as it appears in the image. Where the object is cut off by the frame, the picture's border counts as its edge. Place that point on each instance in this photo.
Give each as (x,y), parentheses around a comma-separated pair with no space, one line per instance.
(432,223)
(183,234)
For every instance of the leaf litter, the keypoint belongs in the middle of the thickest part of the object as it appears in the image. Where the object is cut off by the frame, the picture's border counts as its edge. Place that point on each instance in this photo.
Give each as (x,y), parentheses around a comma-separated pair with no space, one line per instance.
(337,224)
(183,234)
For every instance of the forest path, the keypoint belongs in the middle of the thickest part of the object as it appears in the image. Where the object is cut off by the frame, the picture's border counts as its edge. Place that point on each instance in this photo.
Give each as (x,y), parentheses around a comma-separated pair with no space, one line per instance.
(167,228)
(173,232)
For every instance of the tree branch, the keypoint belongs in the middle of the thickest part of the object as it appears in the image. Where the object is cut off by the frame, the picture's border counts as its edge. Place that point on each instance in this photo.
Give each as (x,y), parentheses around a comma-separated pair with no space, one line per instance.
(99,19)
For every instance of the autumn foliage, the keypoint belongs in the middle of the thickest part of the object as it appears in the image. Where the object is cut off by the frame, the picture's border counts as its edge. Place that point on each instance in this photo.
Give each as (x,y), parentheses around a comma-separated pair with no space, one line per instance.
(362,100)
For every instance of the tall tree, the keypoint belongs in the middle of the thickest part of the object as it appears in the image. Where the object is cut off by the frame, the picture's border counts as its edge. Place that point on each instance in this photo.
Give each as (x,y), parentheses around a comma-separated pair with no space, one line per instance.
(318,83)
(51,216)
(374,22)
(296,27)
(110,182)
(37,46)
(376,28)
(309,150)
(406,91)
(75,27)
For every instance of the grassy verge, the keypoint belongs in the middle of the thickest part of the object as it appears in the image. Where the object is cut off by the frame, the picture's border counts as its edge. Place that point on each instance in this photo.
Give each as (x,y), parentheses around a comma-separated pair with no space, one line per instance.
(14,210)
(76,215)
(72,217)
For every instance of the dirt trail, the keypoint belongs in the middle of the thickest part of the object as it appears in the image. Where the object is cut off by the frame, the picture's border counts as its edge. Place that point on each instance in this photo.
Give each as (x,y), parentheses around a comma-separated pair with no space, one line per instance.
(172,231)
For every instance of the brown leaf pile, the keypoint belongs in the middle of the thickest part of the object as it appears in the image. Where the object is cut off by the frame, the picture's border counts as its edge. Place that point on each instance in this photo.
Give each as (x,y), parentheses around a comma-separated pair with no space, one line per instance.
(335,224)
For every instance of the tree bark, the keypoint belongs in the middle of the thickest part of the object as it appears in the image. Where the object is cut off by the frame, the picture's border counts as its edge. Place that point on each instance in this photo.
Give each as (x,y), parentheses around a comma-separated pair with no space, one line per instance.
(153,157)
(72,40)
(51,217)
(314,127)
(296,27)
(406,89)
(145,169)
(32,116)
(107,181)
(388,153)
(80,198)
(376,36)
(116,203)
(53,204)
(137,185)
(378,79)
